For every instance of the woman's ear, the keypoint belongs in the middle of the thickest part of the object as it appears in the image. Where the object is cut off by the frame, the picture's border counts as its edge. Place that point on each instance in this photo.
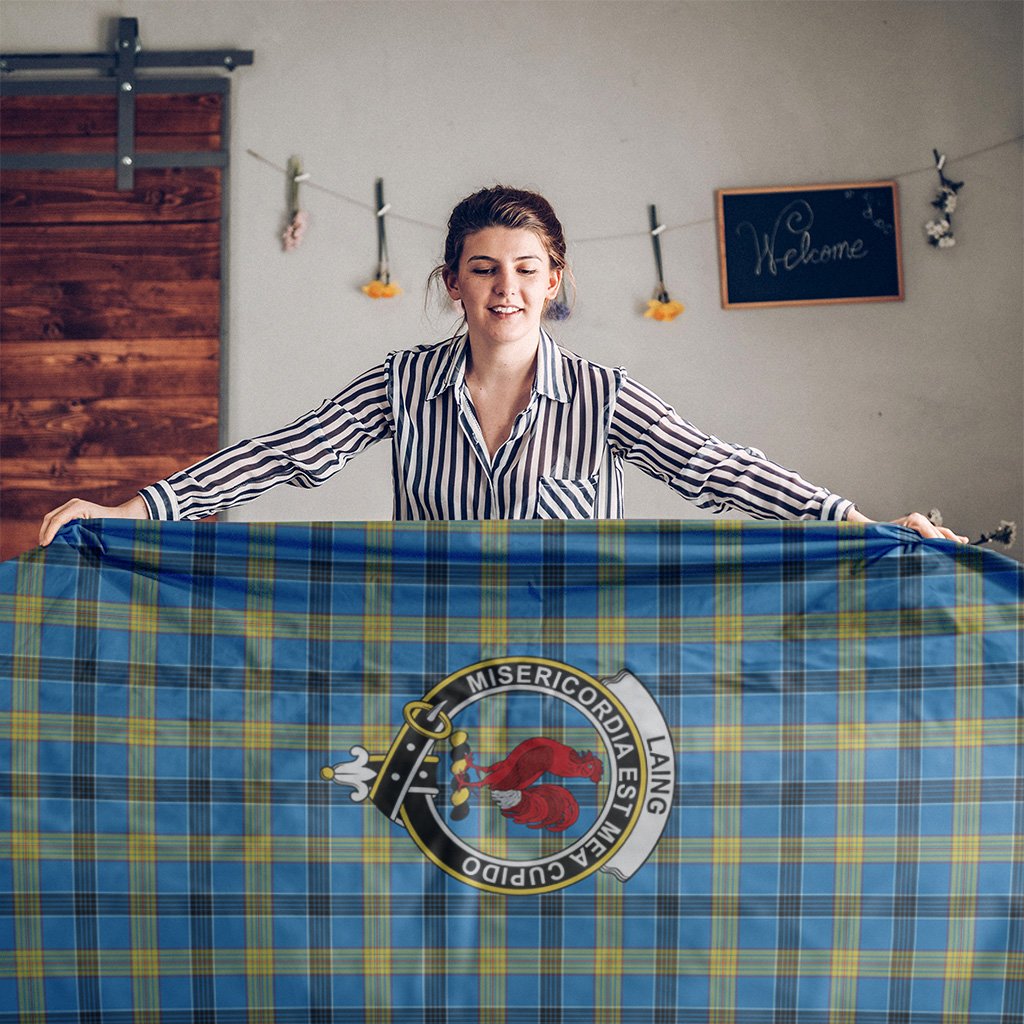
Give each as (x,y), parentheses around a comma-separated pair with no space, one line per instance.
(451,283)
(554,282)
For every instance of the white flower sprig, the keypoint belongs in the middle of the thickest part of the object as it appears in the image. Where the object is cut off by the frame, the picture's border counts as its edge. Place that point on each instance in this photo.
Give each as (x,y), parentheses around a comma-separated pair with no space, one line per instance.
(940,231)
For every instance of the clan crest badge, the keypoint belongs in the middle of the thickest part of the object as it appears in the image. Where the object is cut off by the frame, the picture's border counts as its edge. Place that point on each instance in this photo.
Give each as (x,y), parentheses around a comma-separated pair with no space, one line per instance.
(578,775)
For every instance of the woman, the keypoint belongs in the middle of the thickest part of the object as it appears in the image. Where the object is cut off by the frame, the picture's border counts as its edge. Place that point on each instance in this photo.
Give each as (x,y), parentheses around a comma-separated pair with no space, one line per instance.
(498,422)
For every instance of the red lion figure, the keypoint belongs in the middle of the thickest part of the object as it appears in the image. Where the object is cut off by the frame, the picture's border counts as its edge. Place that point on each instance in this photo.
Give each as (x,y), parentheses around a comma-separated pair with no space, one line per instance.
(548,805)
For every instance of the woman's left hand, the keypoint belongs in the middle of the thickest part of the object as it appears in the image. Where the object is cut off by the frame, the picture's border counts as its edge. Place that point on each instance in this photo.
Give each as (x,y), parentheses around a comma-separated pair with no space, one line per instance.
(914,521)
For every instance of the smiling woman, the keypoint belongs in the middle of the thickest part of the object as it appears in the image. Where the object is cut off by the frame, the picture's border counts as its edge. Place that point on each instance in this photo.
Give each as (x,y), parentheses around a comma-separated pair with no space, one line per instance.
(504,282)
(496,422)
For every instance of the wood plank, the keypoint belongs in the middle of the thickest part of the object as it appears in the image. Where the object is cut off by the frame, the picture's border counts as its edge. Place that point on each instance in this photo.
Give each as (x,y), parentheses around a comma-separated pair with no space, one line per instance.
(31,487)
(110,252)
(81,197)
(110,368)
(18,536)
(108,144)
(73,428)
(93,310)
(83,116)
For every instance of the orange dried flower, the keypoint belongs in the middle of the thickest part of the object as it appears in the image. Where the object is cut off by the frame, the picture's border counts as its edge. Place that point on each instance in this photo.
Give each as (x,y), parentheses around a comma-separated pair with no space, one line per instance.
(380,290)
(665,311)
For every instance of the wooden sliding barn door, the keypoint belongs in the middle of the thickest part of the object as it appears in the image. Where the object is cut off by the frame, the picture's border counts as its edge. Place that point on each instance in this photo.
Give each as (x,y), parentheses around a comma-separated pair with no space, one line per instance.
(111,305)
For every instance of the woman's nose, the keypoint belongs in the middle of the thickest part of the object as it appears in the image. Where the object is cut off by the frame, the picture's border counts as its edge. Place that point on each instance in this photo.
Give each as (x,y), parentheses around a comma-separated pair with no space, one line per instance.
(504,283)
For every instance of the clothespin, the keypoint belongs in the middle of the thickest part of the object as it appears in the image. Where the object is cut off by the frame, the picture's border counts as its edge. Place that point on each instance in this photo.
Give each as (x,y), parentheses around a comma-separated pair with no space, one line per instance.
(295,178)
(940,162)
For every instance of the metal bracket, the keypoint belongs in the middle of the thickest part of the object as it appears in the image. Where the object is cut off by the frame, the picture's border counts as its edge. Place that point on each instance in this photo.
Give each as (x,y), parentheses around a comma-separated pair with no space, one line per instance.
(123,65)
(128,46)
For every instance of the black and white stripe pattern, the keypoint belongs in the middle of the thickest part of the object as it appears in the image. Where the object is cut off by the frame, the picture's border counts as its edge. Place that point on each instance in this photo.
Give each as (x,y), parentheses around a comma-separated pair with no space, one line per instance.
(562,460)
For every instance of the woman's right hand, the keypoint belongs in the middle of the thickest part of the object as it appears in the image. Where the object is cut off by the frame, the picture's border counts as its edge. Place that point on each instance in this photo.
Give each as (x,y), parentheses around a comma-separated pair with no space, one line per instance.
(76,508)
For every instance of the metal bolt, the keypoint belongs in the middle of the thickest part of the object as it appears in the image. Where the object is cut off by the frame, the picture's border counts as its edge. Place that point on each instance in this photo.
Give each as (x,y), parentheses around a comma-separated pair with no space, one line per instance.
(127,161)
(126,87)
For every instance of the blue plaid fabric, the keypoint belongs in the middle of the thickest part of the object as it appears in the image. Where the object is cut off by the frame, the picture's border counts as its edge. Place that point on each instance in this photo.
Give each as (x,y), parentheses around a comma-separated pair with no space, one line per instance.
(511,772)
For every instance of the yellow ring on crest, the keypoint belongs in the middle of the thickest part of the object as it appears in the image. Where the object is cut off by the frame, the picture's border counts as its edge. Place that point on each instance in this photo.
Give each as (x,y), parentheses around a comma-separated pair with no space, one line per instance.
(421,705)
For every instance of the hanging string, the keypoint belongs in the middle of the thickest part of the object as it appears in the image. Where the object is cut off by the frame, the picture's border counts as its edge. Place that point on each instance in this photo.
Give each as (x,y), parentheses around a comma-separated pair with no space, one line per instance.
(310,183)
(615,237)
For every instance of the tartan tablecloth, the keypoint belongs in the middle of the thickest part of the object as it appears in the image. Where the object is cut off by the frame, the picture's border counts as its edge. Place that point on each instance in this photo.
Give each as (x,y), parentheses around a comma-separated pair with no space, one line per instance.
(511,772)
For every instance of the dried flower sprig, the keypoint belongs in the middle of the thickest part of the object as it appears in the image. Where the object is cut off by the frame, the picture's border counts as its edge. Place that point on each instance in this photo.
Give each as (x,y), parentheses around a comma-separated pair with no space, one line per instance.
(940,231)
(292,236)
(381,289)
(381,286)
(1004,533)
(298,218)
(661,307)
(665,311)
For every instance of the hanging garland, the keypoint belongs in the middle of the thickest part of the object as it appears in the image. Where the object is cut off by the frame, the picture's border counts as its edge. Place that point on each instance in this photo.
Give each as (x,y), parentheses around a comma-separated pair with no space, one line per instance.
(661,307)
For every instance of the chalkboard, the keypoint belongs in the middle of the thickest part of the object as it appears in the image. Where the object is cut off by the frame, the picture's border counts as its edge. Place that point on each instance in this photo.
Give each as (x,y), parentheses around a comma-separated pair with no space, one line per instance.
(811,244)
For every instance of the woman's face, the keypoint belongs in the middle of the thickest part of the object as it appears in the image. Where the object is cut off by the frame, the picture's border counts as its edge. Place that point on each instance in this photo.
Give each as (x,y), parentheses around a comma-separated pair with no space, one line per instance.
(504,279)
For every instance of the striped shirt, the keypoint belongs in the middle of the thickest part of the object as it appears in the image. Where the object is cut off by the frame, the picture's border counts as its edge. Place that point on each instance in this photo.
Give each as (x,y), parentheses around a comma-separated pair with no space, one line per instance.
(562,459)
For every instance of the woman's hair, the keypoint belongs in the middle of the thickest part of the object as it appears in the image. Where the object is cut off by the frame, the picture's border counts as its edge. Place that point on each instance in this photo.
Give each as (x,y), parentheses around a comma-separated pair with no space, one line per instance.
(501,207)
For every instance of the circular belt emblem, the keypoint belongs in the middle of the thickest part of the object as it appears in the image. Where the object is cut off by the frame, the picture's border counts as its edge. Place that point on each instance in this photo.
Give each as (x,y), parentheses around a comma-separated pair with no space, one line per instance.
(524,775)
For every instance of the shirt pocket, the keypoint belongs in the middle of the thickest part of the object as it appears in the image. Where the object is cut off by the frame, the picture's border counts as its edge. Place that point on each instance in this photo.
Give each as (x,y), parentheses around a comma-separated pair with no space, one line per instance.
(566,498)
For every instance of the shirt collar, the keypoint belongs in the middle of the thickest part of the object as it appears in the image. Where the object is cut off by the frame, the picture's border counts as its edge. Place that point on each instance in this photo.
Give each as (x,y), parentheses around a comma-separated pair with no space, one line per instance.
(550,379)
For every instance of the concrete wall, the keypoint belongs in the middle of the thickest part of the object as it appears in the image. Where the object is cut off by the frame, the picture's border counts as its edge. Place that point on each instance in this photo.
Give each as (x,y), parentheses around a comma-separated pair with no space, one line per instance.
(606,107)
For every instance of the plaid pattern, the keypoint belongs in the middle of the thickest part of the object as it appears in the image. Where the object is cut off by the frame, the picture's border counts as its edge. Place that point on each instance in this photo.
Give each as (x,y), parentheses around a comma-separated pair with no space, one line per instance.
(846,842)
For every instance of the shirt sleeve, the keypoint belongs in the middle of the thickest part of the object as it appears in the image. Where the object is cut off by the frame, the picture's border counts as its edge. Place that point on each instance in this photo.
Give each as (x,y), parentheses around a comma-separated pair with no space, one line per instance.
(711,473)
(304,454)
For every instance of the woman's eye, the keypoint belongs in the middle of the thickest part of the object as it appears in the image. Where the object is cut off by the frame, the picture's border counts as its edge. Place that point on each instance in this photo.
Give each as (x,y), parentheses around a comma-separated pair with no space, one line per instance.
(486,271)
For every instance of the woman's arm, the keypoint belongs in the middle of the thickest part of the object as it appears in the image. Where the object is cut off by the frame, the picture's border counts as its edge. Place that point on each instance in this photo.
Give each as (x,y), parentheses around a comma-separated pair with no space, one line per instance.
(305,453)
(717,475)
(711,473)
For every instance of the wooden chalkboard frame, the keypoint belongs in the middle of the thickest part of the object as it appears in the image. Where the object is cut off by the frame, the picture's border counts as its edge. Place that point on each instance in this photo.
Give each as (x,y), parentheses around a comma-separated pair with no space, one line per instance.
(894,273)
